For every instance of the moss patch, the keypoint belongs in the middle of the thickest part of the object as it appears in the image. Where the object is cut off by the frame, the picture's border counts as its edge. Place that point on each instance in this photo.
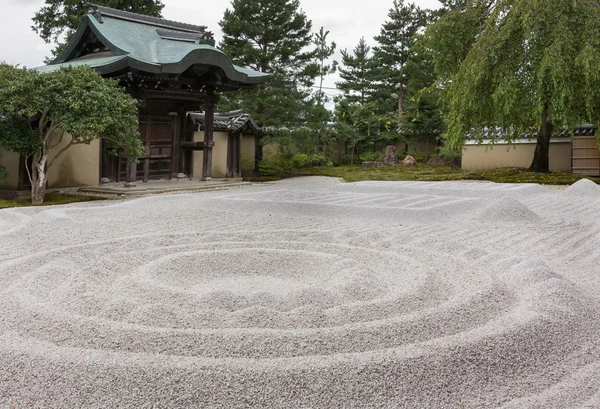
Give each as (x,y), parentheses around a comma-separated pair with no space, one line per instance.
(435,173)
(49,200)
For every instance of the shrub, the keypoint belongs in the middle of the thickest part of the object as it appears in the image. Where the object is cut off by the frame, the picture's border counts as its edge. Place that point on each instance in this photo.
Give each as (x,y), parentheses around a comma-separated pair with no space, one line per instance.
(449,154)
(300,160)
(318,159)
(369,156)
(275,164)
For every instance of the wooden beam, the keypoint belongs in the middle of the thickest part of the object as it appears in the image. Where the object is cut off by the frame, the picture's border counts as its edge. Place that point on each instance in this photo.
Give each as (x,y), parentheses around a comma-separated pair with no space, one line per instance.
(196,146)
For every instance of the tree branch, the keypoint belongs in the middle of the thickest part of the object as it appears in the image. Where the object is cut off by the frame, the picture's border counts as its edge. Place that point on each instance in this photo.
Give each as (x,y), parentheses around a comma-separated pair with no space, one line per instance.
(43,122)
(62,134)
(27,169)
(60,152)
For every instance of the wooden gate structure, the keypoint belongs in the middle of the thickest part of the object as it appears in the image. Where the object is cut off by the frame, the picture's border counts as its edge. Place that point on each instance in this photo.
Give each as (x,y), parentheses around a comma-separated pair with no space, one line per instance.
(585,156)
(171,68)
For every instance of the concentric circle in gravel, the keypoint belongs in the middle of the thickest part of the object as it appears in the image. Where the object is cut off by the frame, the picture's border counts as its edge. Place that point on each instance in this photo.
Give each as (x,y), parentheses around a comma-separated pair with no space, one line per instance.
(163,303)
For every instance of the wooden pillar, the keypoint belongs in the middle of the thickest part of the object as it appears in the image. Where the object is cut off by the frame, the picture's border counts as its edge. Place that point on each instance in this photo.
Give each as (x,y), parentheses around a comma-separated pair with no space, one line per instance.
(230,150)
(258,149)
(147,150)
(179,154)
(130,173)
(237,154)
(209,119)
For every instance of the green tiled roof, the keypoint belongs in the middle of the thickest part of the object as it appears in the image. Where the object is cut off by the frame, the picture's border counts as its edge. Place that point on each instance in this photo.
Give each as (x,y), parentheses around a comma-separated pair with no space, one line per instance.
(149,44)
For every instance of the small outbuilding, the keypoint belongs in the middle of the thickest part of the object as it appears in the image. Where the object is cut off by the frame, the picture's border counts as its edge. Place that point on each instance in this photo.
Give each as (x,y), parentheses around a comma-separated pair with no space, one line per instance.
(171,68)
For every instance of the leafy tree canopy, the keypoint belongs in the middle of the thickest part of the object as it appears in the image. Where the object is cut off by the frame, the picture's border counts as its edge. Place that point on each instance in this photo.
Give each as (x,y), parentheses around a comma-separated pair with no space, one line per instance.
(270,36)
(273,36)
(39,110)
(518,65)
(323,52)
(393,50)
(422,118)
(57,20)
(357,72)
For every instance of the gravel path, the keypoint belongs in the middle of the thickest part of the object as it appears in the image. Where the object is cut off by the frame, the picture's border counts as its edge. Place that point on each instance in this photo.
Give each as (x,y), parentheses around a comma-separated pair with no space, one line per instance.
(307,293)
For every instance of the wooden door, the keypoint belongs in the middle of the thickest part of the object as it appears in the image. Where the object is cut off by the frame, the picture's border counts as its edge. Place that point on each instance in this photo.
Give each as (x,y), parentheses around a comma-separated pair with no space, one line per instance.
(157,133)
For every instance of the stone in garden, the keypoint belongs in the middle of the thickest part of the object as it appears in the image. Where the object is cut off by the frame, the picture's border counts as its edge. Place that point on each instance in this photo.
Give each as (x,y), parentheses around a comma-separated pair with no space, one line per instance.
(409,162)
(390,158)
(368,165)
(437,161)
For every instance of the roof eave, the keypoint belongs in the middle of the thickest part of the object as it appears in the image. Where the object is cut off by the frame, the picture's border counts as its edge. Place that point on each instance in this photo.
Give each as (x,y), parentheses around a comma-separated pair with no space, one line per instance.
(78,37)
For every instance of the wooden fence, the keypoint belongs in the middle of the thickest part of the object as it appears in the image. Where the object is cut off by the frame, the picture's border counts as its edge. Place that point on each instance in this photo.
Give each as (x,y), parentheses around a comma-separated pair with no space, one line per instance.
(585,156)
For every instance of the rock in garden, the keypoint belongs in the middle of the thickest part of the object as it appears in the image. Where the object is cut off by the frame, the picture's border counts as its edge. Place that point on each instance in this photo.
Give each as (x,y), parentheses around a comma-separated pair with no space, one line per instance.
(409,162)
(437,161)
(368,165)
(390,158)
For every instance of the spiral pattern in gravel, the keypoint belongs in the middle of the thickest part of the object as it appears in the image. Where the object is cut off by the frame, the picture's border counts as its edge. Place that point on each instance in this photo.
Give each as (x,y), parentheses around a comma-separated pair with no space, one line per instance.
(307,293)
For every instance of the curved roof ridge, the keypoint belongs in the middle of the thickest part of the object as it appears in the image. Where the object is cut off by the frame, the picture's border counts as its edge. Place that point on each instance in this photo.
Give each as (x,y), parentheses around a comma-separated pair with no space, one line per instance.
(143,19)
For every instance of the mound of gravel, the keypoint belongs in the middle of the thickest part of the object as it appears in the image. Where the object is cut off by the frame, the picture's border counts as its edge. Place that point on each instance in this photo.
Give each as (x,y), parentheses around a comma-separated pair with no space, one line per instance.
(584,187)
(302,294)
(507,210)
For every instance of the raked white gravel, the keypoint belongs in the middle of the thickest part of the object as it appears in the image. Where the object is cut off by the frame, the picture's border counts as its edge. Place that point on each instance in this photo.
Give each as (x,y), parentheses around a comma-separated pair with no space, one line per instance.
(307,293)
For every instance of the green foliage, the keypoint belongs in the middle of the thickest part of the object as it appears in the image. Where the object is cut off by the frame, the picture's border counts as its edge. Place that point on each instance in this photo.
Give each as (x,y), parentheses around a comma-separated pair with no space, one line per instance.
(57,20)
(419,156)
(422,118)
(393,51)
(450,154)
(362,127)
(425,172)
(3,173)
(50,200)
(520,65)
(370,156)
(275,164)
(324,51)
(357,74)
(318,159)
(300,160)
(16,135)
(76,101)
(280,48)
(40,108)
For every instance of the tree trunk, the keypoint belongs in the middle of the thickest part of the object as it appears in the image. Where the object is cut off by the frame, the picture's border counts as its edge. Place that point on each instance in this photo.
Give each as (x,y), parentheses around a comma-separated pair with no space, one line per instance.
(400,100)
(541,157)
(38,179)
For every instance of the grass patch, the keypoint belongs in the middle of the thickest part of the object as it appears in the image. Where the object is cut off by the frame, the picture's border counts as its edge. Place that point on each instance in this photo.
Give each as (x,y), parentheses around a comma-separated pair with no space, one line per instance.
(425,172)
(49,200)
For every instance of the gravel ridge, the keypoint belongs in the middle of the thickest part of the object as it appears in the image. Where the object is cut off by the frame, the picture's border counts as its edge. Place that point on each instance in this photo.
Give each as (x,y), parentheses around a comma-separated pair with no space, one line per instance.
(305,293)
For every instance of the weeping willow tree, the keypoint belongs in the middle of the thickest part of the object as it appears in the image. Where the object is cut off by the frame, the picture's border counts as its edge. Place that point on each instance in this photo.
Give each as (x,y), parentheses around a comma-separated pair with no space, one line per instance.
(518,65)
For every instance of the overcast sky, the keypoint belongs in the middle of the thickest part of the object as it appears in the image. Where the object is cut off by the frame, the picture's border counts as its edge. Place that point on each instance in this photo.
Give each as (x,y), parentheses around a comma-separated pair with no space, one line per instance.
(347,20)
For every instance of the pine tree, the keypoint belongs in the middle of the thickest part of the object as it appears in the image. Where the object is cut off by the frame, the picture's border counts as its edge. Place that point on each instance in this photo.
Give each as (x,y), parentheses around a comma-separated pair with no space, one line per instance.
(324,51)
(271,36)
(357,73)
(57,21)
(421,119)
(392,52)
